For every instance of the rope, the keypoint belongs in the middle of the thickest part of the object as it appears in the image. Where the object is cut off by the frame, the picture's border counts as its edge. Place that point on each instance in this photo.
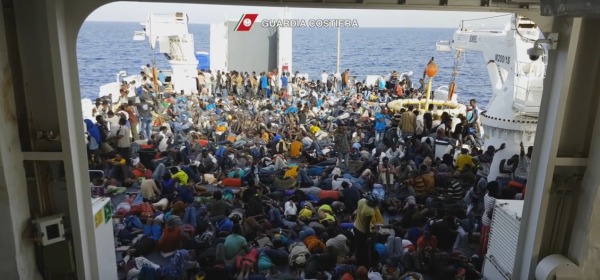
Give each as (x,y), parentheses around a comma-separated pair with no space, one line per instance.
(486,17)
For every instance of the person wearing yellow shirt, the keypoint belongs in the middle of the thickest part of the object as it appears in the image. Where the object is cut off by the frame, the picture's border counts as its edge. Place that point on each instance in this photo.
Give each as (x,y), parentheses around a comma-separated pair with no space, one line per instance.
(265,135)
(365,212)
(326,214)
(463,159)
(314,129)
(118,160)
(306,213)
(377,217)
(119,169)
(179,175)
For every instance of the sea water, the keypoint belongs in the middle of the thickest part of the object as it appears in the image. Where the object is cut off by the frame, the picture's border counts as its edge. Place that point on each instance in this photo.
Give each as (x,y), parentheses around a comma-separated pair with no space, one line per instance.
(105,48)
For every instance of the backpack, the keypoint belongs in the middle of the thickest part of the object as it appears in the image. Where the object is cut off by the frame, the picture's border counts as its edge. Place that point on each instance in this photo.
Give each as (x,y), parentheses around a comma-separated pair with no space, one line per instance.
(316,171)
(298,255)
(347,276)
(296,149)
(264,262)
(280,147)
(341,269)
(292,172)
(144,246)
(188,231)
(378,192)
(225,225)
(206,239)
(373,275)
(277,257)
(220,151)
(208,257)
(314,244)
(284,183)
(255,152)
(392,268)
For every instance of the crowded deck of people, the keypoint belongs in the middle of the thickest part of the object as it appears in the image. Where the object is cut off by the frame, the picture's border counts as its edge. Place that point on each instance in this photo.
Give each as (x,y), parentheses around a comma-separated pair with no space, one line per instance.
(253,172)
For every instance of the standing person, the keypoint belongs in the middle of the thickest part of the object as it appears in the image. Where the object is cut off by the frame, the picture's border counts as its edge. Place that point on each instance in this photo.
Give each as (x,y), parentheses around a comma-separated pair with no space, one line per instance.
(408,122)
(217,88)
(145,110)
(522,170)
(342,144)
(386,173)
(362,229)
(345,79)
(253,85)
(474,118)
(123,139)
(133,119)
(264,85)
(239,84)
(489,200)
(337,78)
(380,127)
(94,140)
(324,79)
(275,82)
(284,83)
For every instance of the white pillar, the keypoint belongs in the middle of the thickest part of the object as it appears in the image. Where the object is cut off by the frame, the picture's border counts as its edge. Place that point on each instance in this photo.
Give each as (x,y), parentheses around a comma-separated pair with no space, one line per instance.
(62,33)
(17,260)
(584,244)
(535,225)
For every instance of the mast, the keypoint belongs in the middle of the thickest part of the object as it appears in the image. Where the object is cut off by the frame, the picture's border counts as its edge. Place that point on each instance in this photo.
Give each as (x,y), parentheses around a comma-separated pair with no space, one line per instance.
(452,86)
(339,44)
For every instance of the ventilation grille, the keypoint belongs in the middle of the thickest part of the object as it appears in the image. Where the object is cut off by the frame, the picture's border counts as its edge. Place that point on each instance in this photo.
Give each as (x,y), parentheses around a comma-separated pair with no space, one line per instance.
(504,235)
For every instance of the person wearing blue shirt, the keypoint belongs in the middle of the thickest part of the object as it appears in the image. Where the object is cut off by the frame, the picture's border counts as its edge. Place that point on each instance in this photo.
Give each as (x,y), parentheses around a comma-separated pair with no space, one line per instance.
(380,127)
(264,84)
(284,81)
(185,194)
(138,91)
(211,106)
(292,109)
(320,102)
(161,77)
(381,84)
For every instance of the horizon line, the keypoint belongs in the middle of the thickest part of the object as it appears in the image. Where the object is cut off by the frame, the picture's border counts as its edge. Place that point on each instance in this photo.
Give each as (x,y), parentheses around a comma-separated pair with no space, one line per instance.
(368,26)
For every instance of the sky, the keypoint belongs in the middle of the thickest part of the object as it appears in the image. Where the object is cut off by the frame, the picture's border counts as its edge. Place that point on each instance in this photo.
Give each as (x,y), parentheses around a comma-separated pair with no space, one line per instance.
(207,14)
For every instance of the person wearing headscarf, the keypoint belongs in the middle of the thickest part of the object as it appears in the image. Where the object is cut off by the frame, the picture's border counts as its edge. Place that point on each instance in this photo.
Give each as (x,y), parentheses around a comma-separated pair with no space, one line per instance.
(443,176)
(339,245)
(171,238)
(178,209)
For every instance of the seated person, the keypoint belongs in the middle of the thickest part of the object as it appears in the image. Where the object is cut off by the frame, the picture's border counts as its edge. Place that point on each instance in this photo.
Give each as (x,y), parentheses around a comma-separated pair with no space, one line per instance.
(118,169)
(185,192)
(168,186)
(149,190)
(139,170)
(171,238)
(254,206)
(235,243)
(218,206)
(179,175)
(237,172)
(306,213)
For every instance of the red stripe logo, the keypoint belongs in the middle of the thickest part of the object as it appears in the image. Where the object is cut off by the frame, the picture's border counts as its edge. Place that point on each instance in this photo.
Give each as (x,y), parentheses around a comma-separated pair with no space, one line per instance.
(246,22)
